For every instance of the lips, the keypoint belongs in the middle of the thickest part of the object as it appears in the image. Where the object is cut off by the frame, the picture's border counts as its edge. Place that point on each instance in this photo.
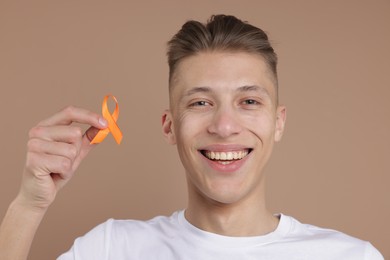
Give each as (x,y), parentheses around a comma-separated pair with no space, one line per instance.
(226,157)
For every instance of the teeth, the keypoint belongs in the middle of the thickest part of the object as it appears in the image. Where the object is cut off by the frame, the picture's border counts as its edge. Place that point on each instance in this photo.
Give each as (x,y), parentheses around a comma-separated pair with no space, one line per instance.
(226,156)
(225,162)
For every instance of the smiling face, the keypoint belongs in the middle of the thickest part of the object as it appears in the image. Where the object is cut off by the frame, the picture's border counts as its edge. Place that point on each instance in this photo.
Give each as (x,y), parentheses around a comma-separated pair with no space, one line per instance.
(224,120)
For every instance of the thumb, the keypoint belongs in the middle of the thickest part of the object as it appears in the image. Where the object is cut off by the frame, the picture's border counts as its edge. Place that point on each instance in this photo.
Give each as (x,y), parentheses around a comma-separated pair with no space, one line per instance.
(86,145)
(90,134)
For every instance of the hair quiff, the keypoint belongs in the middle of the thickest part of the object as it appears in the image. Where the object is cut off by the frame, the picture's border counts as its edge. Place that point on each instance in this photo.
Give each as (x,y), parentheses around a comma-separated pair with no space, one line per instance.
(221,33)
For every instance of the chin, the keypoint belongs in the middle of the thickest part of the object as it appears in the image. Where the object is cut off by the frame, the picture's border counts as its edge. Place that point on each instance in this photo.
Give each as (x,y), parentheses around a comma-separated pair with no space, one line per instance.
(224,195)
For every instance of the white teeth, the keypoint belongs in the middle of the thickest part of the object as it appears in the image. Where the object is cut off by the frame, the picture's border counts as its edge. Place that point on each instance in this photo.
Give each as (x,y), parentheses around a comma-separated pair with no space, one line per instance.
(226,156)
(225,162)
(229,156)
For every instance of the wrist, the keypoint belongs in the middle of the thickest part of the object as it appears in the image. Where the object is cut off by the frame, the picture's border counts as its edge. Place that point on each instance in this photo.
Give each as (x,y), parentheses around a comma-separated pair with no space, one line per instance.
(20,203)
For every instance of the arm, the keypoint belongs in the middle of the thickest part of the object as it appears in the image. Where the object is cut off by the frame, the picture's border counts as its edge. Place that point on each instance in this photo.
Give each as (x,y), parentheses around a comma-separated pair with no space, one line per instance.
(18,229)
(54,151)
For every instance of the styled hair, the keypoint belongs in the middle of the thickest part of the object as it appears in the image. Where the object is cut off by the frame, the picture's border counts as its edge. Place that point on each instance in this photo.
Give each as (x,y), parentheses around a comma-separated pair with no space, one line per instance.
(220,33)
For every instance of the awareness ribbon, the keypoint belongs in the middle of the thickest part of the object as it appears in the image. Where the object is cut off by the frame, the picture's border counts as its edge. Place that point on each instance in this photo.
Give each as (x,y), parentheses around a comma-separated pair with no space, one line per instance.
(112,126)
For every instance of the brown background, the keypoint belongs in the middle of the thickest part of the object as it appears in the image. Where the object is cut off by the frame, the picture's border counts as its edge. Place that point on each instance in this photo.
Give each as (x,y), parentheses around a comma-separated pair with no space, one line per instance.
(332,168)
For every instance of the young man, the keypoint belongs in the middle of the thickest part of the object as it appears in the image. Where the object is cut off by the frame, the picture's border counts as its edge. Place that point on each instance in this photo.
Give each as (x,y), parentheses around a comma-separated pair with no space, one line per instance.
(224,118)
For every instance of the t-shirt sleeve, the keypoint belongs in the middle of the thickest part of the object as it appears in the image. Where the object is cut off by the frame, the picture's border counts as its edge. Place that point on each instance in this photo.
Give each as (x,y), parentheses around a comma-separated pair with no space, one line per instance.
(93,245)
(372,253)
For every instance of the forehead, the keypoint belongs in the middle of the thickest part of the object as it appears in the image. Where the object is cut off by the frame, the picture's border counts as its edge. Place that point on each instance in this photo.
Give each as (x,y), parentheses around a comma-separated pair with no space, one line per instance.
(222,71)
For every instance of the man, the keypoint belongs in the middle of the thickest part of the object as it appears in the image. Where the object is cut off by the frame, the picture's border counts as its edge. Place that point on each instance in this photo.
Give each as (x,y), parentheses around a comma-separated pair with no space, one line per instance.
(224,118)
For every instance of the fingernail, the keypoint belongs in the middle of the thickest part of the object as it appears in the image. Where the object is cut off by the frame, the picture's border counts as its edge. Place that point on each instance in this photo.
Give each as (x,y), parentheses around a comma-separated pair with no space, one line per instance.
(102,121)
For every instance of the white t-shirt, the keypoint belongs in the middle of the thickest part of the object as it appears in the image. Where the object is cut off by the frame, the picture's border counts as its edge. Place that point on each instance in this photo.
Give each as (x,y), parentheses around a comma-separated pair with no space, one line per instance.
(175,238)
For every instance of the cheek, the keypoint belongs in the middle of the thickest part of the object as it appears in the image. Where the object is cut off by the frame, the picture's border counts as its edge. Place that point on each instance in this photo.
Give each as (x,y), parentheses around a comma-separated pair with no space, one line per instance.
(187,127)
(262,125)
(188,131)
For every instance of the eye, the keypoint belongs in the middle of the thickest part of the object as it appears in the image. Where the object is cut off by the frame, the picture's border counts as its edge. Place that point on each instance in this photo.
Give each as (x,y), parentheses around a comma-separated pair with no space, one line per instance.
(199,103)
(251,102)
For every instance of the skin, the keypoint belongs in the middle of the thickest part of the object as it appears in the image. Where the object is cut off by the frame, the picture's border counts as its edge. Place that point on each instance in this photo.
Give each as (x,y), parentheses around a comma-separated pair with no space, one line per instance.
(225,101)
(235,109)
(54,151)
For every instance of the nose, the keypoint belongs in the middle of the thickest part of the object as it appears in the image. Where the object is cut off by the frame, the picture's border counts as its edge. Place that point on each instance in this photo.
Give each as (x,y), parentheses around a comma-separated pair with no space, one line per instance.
(224,123)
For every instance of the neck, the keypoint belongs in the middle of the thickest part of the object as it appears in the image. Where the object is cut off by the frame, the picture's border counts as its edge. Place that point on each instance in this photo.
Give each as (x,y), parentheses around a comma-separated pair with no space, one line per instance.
(248,217)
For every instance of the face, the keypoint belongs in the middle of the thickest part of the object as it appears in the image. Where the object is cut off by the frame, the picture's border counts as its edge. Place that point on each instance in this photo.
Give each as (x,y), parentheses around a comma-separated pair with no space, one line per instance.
(224,120)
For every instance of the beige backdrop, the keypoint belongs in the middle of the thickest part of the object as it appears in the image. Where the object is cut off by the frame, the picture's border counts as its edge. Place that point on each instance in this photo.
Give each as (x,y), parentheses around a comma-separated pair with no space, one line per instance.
(332,168)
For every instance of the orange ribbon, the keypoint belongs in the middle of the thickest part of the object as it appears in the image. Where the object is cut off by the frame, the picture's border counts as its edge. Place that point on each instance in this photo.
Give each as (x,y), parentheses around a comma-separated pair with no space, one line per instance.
(112,126)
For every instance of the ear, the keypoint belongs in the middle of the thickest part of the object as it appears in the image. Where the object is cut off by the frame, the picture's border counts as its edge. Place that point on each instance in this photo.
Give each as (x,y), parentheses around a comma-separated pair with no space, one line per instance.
(167,127)
(281,115)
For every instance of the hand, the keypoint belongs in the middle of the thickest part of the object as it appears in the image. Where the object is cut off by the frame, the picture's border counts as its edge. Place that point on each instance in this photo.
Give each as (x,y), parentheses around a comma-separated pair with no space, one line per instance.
(55,149)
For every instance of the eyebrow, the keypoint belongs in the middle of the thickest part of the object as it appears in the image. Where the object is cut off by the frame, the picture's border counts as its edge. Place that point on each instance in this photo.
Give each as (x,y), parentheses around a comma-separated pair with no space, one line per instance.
(246,88)
(254,88)
(195,90)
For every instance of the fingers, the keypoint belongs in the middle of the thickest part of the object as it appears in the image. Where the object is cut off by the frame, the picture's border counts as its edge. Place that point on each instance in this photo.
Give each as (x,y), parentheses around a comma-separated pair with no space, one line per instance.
(66,141)
(70,151)
(56,142)
(68,134)
(72,114)
(42,164)
(44,176)
(58,128)
(51,135)
(55,149)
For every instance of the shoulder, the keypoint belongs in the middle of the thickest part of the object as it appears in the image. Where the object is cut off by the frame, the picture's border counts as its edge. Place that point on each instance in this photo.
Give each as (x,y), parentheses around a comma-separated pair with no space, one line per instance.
(330,241)
(113,237)
(311,232)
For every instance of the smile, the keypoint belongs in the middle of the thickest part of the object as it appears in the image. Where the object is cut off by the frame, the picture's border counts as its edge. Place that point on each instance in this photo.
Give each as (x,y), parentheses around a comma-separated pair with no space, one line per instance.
(226,157)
